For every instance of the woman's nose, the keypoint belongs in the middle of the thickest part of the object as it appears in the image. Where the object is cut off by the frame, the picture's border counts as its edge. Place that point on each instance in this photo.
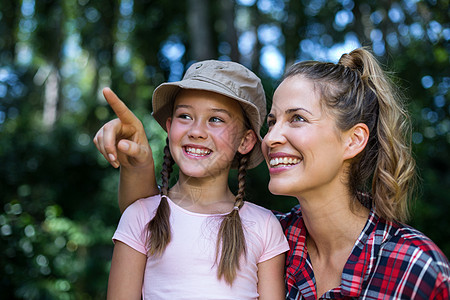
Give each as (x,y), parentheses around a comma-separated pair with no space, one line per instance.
(275,136)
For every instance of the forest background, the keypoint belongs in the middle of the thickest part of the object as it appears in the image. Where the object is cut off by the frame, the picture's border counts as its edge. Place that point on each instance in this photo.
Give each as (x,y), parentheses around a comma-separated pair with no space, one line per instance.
(58,195)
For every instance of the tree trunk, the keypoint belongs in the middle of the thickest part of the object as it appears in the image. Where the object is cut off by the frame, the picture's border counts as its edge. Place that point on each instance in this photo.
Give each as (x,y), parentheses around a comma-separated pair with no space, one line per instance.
(51,95)
(200,29)
(10,11)
(230,31)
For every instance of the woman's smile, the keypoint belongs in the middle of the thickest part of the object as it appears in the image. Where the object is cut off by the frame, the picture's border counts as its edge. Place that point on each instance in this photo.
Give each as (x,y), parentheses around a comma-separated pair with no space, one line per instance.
(279,162)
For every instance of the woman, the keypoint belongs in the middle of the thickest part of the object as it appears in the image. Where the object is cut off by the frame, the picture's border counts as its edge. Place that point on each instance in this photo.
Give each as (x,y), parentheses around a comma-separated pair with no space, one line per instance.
(337,141)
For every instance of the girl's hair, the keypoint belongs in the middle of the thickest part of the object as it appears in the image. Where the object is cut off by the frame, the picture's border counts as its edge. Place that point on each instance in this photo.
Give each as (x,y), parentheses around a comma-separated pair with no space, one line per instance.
(159,233)
(356,90)
(231,239)
(230,244)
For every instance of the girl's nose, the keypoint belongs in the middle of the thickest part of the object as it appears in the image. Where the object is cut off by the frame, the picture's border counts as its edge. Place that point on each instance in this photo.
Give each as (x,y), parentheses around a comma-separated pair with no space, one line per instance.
(198,130)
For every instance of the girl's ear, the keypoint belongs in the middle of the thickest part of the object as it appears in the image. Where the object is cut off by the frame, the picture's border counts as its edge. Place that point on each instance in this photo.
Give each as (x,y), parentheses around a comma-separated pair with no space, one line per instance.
(168,124)
(248,142)
(356,140)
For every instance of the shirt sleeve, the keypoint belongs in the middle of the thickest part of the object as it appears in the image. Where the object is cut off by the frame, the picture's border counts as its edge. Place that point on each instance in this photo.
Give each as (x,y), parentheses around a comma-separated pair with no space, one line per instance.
(442,290)
(132,227)
(275,242)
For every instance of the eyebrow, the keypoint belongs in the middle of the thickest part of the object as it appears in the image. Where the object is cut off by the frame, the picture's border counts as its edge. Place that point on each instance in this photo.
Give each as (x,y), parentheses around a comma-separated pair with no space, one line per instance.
(182,106)
(290,111)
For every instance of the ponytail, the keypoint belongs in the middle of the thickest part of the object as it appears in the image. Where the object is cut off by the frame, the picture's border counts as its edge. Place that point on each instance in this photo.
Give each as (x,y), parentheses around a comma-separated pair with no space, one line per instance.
(394,172)
(159,233)
(231,239)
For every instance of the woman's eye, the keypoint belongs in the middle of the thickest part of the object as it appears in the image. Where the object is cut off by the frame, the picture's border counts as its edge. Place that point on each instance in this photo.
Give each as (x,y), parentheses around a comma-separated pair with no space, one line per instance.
(270,122)
(298,118)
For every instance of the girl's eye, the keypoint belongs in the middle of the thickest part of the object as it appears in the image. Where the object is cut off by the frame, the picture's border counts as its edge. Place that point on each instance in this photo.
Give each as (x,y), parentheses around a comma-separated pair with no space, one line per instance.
(184,116)
(215,120)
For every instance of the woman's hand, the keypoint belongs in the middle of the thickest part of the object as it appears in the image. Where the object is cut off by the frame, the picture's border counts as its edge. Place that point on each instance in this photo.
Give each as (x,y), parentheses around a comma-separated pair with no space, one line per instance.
(122,141)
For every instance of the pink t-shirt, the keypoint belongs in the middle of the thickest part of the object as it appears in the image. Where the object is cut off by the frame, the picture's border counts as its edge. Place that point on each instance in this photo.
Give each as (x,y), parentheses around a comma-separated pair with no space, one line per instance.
(186,270)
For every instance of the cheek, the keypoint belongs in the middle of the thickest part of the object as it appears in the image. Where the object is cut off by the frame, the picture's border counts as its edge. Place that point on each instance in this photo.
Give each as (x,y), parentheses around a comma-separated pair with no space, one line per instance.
(229,135)
(176,130)
(264,149)
(170,142)
(175,139)
(171,134)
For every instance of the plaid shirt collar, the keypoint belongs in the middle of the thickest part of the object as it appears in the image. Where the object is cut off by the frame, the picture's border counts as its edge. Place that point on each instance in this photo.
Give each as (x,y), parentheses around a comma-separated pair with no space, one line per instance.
(299,272)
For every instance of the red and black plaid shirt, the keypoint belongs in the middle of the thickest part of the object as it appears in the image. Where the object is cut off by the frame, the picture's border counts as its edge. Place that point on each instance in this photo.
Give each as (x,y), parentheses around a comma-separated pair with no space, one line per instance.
(389,261)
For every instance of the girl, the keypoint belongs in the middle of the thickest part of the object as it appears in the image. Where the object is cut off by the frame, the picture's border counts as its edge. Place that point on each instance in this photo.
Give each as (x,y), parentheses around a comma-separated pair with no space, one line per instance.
(197,240)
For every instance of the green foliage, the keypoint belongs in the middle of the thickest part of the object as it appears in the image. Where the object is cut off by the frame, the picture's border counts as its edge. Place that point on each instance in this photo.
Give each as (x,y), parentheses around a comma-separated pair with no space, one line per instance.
(59,196)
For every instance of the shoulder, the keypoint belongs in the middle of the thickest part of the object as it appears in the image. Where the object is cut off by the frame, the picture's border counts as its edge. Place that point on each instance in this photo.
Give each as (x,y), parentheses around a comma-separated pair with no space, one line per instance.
(132,228)
(293,218)
(263,229)
(252,208)
(407,238)
(409,249)
(144,207)
(263,217)
(253,212)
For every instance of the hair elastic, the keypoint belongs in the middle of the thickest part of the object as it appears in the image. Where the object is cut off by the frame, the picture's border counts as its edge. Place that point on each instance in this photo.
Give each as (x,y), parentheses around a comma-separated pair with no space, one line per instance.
(236,208)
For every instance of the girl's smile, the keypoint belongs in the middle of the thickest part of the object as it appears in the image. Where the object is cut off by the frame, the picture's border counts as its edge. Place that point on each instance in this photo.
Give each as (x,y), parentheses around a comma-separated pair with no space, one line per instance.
(196,151)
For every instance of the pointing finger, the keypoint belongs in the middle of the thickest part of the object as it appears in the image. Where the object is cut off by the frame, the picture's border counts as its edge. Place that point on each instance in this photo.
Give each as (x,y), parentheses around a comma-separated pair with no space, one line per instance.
(120,109)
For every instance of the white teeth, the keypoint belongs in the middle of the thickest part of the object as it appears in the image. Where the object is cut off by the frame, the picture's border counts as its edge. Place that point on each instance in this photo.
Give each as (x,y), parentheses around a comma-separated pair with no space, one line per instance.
(283,161)
(197,151)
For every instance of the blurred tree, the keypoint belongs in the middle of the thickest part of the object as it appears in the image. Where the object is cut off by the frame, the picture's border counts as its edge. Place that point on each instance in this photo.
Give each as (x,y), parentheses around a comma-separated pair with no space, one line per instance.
(200,32)
(10,14)
(58,196)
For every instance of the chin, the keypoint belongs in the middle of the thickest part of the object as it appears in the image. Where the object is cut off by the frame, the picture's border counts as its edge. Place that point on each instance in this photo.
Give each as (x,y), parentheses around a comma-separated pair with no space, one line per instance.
(279,188)
(196,173)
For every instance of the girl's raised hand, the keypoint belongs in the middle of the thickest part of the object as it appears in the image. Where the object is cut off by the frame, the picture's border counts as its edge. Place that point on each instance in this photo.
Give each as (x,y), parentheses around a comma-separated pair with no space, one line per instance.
(122,141)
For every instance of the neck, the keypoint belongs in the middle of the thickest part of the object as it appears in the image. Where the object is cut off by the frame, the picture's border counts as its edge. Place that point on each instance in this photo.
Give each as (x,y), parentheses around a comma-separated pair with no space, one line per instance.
(333,224)
(203,195)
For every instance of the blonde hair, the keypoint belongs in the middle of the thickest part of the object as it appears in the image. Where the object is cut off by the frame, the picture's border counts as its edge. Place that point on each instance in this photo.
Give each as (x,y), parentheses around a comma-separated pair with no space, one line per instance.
(159,233)
(357,90)
(230,245)
(231,239)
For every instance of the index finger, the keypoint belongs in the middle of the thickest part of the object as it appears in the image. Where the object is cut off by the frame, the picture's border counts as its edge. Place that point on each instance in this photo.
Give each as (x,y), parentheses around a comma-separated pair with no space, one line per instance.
(125,115)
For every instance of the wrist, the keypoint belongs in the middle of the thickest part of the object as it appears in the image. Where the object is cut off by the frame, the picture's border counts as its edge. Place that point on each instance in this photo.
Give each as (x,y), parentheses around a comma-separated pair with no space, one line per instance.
(141,170)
